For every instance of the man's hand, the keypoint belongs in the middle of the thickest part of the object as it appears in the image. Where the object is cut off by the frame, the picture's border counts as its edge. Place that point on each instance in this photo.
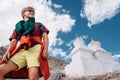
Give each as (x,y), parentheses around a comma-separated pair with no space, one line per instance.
(11,47)
(6,57)
(45,43)
(45,54)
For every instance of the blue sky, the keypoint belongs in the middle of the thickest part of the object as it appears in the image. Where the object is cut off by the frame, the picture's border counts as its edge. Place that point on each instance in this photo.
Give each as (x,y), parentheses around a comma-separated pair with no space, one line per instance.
(68,20)
(107,32)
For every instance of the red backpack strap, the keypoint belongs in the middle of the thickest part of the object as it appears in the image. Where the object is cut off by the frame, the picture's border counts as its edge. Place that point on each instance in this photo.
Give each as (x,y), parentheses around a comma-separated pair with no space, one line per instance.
(40,27)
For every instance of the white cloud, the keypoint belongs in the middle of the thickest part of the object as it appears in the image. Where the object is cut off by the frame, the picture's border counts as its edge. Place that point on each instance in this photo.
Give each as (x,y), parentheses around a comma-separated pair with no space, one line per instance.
(57,6)
(116,57)
(97,11)
(84,37)
(69,44)
(10,14)
(58,51)
(60,41)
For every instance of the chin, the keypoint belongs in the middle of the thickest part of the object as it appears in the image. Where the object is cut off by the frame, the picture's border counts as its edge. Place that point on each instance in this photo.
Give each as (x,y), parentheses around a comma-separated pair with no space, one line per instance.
(31,17)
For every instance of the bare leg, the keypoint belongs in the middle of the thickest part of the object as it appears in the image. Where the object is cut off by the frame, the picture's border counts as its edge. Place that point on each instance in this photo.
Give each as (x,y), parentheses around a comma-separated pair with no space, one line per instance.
(33,73)
(7,67)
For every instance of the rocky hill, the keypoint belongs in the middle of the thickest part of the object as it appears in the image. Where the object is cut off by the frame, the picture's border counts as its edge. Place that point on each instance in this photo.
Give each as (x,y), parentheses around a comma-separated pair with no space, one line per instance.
(2,51)
(57,71)
(56,66)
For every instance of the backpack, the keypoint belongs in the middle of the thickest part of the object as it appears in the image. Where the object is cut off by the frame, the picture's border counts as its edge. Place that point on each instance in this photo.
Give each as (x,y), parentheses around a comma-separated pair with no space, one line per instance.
(40,27)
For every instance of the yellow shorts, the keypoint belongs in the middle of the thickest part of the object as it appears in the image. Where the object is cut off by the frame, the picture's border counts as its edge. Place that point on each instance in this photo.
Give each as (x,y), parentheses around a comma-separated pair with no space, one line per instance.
(27,58)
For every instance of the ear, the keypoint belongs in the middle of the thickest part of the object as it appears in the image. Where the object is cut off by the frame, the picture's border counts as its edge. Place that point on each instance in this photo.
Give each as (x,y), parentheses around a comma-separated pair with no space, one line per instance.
(23,15)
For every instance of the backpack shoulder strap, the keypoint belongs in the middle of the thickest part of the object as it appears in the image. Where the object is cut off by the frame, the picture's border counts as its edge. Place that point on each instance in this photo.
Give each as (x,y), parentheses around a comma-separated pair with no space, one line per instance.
(40,27)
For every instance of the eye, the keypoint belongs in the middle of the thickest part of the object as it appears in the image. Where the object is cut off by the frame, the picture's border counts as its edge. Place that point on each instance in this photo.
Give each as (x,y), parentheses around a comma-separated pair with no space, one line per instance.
(30,10)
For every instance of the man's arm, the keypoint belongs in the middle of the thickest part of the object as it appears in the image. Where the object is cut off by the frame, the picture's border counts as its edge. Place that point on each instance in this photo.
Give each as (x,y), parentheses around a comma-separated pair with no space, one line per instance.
(45,43)
(11,47)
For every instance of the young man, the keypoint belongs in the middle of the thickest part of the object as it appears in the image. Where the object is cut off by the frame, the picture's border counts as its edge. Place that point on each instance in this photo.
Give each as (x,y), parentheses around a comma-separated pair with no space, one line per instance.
(31,52)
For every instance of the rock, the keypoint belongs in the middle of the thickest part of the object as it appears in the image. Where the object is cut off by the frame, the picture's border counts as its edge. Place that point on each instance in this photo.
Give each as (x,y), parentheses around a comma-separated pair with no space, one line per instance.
(57,67)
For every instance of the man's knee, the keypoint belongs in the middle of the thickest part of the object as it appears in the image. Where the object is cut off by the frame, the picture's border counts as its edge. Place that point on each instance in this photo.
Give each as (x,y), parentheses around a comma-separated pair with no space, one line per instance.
(5,68)
(1,76)
(2,72)
(33,77)
(33,74)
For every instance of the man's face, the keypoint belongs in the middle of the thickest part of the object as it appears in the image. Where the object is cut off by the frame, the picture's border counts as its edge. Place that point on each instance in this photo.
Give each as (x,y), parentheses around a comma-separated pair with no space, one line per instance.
(29,13)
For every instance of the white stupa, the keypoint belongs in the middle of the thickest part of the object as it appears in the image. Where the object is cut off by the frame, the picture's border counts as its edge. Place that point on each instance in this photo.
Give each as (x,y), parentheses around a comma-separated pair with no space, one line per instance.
(90,60)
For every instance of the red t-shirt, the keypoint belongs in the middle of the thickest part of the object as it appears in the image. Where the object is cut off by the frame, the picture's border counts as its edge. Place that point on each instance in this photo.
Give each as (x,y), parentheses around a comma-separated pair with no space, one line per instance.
(35,32)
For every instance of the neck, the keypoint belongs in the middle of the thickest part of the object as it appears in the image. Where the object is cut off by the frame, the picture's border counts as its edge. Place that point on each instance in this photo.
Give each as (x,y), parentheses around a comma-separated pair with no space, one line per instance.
(25,19)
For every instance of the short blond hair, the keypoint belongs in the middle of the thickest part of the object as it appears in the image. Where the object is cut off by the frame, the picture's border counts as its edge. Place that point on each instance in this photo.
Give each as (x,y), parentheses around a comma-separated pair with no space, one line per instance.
(25,9)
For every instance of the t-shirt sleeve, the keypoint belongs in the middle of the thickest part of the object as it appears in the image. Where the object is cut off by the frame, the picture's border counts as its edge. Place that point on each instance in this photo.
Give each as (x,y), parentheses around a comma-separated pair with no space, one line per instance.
(44,29)
(14,35)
